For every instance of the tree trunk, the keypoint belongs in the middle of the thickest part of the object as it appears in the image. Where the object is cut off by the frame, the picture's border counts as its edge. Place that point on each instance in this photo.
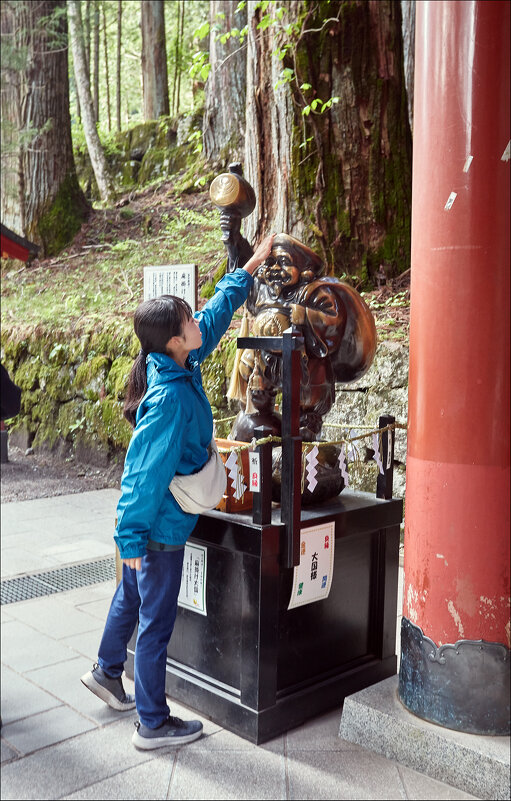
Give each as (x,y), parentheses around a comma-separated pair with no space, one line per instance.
(225,90)
(181,40)
(97,156)
(86,35)
(408,13)
(95,60)
(270,118)
(176,59)
(107,77)
(339,180)
(118,71)
(40,197)
(154,60)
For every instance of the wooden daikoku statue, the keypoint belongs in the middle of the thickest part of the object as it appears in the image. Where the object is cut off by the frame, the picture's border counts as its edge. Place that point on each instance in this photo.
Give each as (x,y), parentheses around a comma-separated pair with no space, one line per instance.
(290,289)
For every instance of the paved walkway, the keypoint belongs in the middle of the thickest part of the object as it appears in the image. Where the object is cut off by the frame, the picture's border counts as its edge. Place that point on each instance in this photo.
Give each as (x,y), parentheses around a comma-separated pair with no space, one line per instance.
(60,742)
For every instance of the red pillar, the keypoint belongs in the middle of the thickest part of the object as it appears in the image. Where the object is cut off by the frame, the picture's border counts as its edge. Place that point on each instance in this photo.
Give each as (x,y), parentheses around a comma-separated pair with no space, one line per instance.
(456,567)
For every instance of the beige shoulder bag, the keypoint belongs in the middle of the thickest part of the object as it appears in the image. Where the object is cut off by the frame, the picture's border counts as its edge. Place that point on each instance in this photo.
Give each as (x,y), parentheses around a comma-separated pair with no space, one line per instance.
(202,491)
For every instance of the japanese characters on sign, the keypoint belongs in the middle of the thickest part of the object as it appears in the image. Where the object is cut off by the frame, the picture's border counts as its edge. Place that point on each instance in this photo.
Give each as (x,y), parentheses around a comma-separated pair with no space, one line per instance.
(192,594)
(176,279)
(255,471)
(313,577)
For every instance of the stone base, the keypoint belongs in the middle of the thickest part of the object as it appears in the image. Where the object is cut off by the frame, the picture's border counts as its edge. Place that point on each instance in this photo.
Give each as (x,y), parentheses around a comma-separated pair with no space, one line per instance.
(375,719)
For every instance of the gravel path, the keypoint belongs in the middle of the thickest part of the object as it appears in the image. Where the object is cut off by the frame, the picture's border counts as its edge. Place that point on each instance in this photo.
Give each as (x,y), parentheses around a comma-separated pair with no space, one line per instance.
(41,475)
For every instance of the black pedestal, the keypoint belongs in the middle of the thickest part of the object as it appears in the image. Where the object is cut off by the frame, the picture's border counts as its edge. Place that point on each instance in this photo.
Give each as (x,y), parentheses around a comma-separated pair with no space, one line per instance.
(259,669)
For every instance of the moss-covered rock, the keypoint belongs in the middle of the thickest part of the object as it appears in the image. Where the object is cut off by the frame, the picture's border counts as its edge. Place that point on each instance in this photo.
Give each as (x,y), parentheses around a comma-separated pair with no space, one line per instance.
(26,376)
(127,173)
(46,414)
(59,354)
(142,137)
(117,380)
(78,347)
(71,419)
(91,377)
(113,340)
(56,382)
(154,164)
(105,422)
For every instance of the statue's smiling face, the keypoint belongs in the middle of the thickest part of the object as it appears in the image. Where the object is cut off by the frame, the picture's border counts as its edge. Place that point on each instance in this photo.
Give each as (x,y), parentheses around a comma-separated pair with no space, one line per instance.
(278,271)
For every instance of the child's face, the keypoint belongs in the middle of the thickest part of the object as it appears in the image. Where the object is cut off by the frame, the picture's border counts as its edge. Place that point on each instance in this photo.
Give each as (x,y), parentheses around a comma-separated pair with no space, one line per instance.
(191,334)
(189,339)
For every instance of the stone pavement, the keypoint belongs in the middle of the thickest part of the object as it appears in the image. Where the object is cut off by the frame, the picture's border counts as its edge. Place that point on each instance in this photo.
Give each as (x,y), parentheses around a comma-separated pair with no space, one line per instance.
(60,742)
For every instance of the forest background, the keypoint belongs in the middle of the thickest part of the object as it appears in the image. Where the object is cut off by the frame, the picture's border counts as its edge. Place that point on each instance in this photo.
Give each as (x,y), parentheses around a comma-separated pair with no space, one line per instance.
(116,116)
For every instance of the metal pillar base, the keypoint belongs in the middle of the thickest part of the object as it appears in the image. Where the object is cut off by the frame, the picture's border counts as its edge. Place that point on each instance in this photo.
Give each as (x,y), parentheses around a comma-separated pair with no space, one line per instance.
(3,447)
(464,686)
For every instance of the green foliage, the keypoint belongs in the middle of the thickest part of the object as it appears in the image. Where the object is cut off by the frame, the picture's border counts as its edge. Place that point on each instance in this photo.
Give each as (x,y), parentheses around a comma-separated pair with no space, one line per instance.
(208,288)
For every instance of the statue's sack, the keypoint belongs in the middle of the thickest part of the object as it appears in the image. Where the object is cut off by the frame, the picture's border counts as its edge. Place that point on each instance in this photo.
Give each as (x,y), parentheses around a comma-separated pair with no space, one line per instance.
(202,491)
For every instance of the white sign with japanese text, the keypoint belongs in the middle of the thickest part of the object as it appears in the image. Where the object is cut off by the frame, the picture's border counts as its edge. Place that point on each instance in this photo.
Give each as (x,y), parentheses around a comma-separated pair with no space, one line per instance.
(175,279)
(255,471)
(312,578)
(192,594)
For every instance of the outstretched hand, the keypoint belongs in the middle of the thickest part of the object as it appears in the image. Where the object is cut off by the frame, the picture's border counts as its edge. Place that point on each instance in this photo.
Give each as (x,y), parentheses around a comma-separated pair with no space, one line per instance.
(261,253)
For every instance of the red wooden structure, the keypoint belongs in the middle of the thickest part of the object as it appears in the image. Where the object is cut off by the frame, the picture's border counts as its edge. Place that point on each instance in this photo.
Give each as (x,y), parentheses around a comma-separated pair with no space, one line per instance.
(14,246)
(455,632)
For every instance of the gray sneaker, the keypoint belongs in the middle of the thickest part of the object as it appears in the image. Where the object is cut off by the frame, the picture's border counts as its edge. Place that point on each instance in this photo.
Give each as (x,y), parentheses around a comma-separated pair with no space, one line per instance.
(172,731)
(109,690)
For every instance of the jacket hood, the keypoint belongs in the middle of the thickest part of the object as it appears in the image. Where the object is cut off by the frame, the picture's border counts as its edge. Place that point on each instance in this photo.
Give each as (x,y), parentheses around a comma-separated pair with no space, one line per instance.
(162,368)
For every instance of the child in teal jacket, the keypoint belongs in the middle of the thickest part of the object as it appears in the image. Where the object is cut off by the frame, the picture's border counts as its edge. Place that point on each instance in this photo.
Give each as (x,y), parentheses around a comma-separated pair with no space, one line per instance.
(173,424)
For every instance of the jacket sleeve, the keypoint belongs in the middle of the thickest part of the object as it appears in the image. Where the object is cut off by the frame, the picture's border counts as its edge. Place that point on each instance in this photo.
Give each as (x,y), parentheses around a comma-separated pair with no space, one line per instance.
(151,461)
(215,317)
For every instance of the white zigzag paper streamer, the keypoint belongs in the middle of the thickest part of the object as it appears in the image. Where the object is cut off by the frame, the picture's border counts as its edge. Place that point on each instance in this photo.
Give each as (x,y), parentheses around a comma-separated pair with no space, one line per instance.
(377,457)
(389,450)
(343,467)
(311,462)
(235,475)
(352,451)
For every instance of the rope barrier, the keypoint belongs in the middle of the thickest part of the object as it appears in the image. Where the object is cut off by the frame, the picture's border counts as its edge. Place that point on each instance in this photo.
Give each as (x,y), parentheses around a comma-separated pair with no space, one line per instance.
(353,454)
(308,445)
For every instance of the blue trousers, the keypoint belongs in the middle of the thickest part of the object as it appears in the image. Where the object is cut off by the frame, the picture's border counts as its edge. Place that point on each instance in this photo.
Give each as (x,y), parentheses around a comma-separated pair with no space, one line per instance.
(148,596)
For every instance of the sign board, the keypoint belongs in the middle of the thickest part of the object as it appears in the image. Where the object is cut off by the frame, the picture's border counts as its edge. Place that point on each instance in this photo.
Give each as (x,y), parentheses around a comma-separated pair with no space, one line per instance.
(255,471)
(192,594)
(312,578)
(174,279)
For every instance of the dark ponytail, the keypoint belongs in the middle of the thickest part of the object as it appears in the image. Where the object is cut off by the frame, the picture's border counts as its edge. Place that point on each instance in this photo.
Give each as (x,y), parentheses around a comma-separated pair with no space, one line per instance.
(155,322)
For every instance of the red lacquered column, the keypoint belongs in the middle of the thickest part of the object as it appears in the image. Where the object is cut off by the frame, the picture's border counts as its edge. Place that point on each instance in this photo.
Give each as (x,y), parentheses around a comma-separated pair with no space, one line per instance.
(455,633)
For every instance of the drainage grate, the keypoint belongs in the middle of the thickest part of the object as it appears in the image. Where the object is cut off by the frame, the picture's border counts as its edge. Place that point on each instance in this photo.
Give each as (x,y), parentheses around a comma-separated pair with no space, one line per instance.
(59,580)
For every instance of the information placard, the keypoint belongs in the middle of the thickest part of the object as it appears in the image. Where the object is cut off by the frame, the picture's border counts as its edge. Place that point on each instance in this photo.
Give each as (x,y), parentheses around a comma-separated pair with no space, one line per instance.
(172,279)
(192,594)
(312,578)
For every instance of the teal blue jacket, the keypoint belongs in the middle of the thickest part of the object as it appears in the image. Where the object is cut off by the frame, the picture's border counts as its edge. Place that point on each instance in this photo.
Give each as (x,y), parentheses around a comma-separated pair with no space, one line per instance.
(174,426)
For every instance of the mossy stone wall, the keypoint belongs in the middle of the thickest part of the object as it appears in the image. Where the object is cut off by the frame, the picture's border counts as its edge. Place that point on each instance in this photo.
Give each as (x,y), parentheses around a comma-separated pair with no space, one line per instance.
(73,387)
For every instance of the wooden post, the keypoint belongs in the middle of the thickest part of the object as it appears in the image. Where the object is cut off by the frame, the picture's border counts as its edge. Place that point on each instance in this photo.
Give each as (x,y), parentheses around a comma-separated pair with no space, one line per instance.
(261,504)
(291,446)
(384,482)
